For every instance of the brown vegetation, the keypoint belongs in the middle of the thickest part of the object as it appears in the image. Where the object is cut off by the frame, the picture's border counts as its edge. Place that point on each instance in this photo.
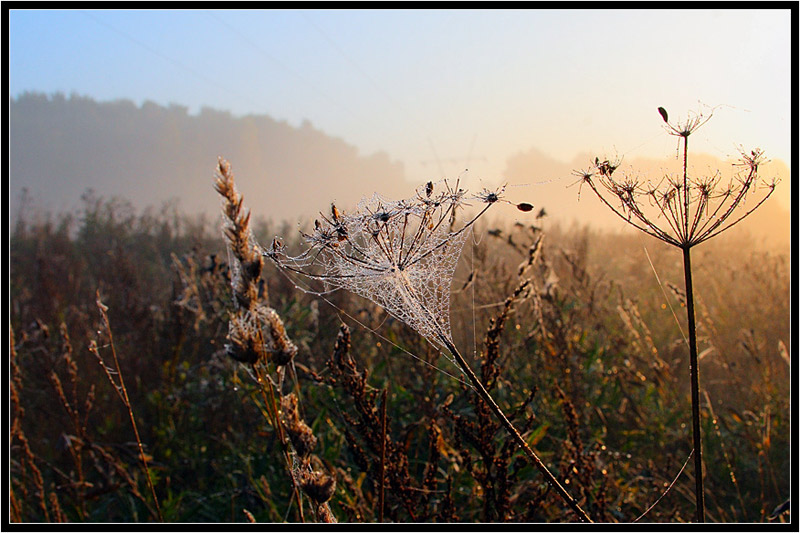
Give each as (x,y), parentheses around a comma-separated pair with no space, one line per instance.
(315,420)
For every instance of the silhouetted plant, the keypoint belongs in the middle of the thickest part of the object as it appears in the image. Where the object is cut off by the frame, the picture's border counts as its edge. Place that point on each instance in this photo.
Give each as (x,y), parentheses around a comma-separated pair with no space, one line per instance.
(682,211)
(401,255)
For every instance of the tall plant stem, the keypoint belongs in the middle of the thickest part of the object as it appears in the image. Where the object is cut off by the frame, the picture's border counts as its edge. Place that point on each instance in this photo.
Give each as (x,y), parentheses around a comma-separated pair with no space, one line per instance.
(122,391)
(383,457)
(274,418)
(484,394)
(695,380)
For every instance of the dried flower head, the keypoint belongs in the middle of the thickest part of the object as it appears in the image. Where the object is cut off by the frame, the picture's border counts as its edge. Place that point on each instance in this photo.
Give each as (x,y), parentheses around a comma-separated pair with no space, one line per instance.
(300,434)
(688,126)
(400,254)
(681,210)
(317,485)
(259,335)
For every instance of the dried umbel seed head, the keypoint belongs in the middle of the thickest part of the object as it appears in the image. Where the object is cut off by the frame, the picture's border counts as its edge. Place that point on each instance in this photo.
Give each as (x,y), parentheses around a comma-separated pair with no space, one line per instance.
(394,252)
(491,196)
(317,485)
(301,436)
(681,209)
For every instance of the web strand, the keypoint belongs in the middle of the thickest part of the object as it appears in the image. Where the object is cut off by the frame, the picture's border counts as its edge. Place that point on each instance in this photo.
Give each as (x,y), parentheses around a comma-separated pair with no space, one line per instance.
(299,286)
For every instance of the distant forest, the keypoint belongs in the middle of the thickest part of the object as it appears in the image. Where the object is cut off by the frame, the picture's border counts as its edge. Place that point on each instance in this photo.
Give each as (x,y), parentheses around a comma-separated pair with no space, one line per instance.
(61,147)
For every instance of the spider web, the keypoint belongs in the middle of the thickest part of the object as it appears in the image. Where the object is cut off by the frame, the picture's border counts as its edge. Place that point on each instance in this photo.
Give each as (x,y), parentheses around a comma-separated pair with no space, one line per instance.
(400,255)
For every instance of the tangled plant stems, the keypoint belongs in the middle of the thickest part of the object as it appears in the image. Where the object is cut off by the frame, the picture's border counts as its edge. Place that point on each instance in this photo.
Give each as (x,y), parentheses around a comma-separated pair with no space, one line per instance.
(401,255)
(690,210)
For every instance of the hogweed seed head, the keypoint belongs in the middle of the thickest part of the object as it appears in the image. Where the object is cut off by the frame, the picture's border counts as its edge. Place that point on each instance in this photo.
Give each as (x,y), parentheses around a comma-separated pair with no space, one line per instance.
(400,254)
(681,210)
(688,126)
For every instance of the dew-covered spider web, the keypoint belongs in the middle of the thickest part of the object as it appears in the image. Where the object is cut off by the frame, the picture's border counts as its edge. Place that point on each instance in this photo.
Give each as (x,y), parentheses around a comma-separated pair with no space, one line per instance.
(401,255)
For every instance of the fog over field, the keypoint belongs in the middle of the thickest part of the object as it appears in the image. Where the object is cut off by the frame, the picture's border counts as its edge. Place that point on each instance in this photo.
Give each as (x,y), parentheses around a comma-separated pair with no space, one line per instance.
(61,147)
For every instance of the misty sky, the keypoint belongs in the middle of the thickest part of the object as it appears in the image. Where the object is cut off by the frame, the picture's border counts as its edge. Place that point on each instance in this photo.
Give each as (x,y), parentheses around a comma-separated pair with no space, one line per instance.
(439,90)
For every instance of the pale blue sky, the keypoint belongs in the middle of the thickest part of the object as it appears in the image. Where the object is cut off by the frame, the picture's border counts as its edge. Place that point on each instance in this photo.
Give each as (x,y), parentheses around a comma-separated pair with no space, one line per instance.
(436,85)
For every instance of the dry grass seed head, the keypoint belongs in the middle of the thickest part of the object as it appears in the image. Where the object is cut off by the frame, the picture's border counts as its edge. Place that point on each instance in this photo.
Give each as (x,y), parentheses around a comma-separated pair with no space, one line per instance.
(300,434)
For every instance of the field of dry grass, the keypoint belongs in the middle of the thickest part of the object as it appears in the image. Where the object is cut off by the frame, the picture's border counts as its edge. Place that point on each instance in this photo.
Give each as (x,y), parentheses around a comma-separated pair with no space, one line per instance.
(338,411)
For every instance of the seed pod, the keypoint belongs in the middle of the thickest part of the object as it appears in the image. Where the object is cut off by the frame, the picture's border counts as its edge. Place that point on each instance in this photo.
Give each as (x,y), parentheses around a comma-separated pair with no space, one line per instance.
(606,168)
(525,207)
(318,486)
(300,435)
(663,113)
(429,189)
(282,357)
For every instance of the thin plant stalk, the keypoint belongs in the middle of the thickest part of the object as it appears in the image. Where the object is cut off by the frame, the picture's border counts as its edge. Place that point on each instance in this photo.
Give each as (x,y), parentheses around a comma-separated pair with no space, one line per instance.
(486,397)
(694,376)
(383,457)
(414,301)
(272,410)
(122,392)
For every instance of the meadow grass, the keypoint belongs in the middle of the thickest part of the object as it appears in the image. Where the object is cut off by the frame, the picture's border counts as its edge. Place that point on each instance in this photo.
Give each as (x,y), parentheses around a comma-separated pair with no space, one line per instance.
(566,327)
